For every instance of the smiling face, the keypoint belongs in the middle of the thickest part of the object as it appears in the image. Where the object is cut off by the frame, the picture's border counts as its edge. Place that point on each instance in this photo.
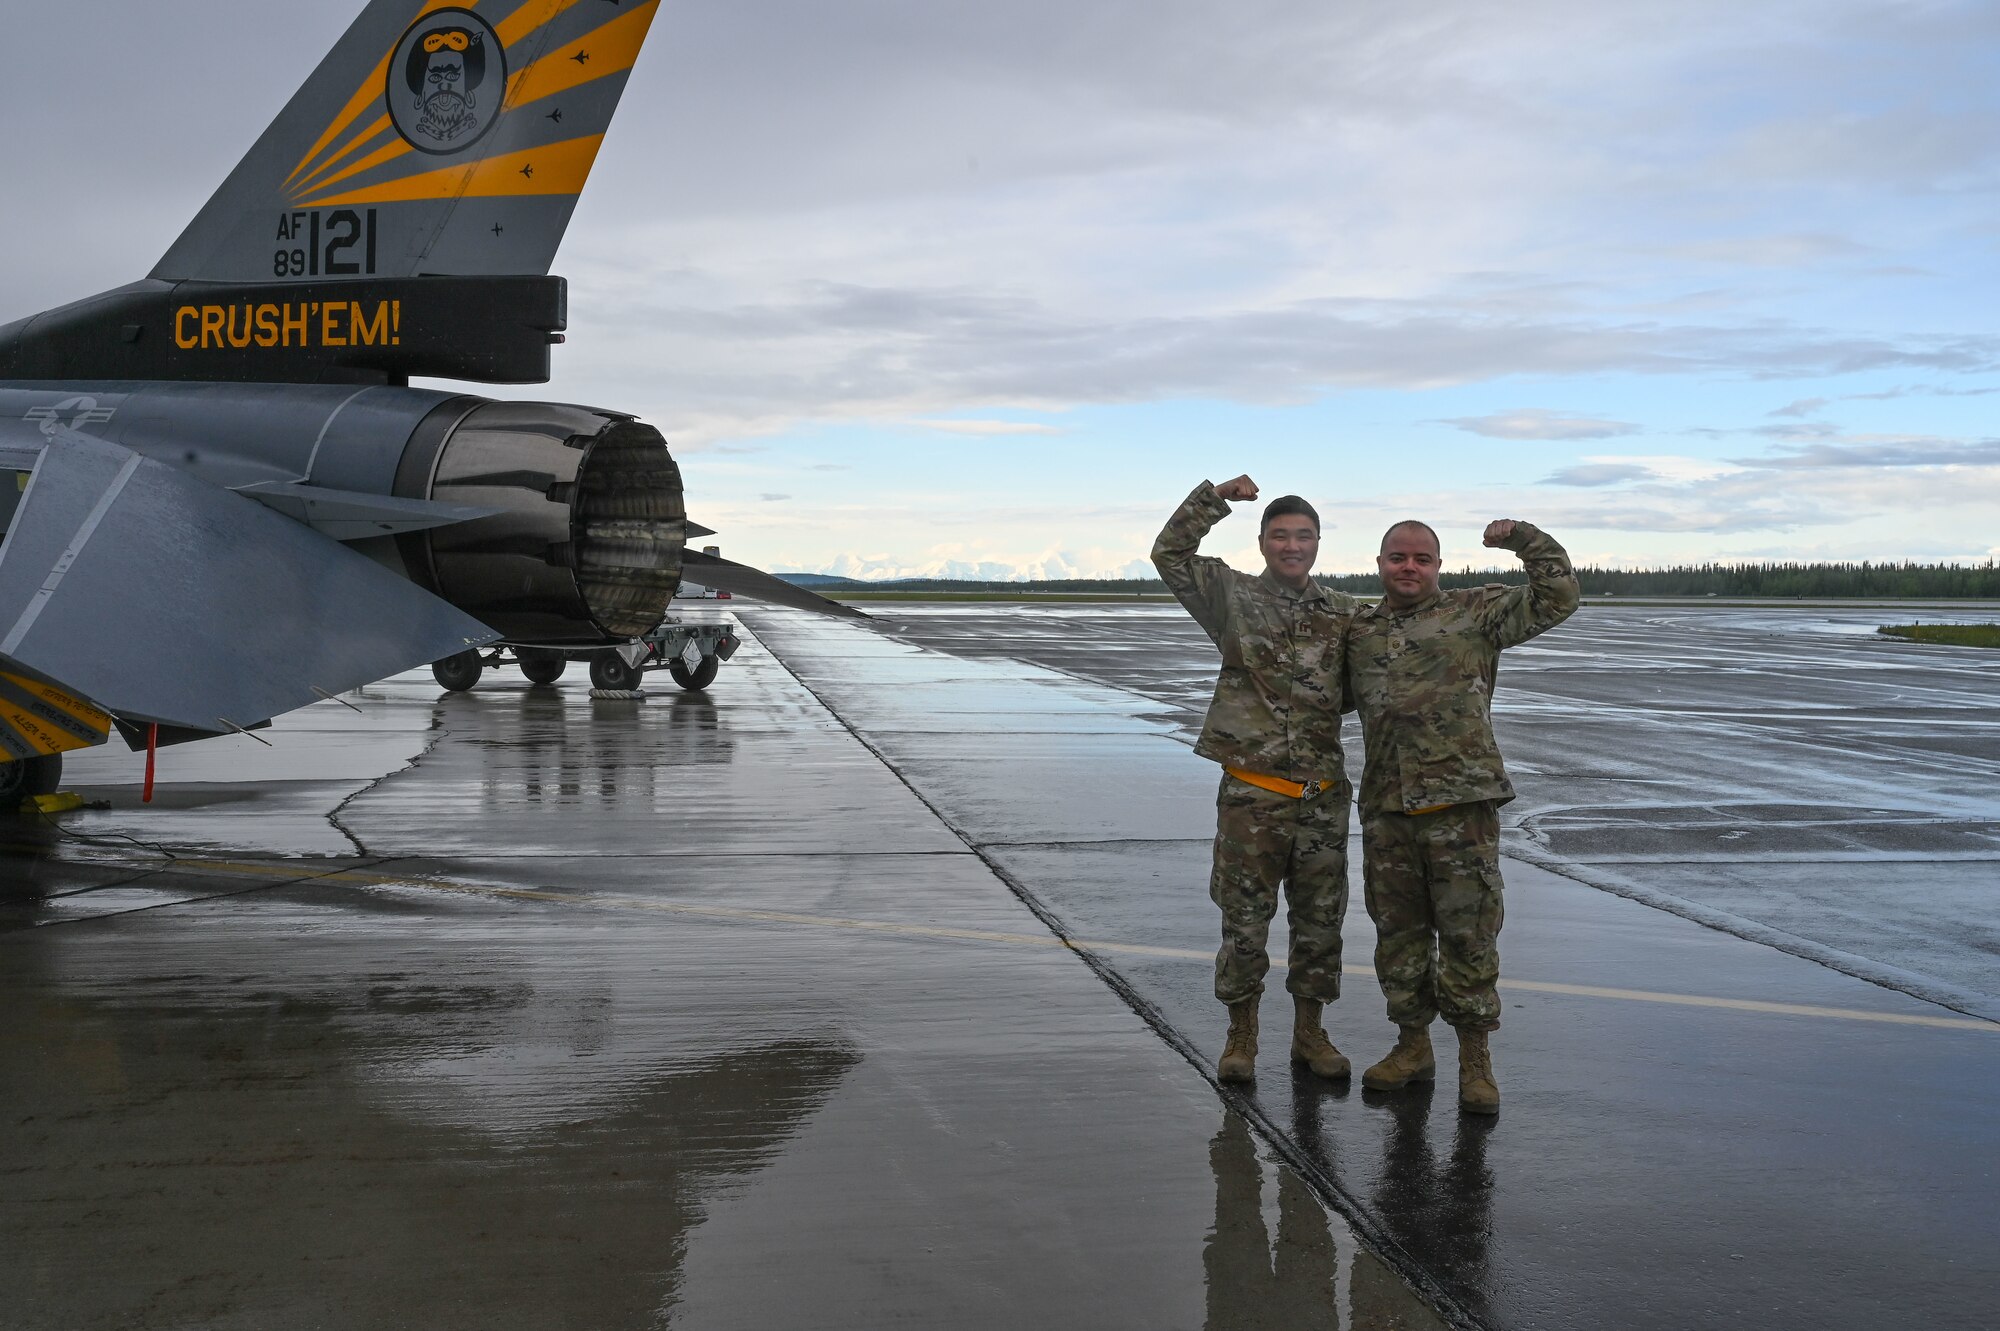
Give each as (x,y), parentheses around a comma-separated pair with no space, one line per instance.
(1408,564)
(1290,544)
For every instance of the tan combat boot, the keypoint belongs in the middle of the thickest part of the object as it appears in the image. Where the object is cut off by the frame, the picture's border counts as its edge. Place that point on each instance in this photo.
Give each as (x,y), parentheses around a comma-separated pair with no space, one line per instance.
(1411,1060)
(1239,1053)
(1310,1045)
(1478,1092)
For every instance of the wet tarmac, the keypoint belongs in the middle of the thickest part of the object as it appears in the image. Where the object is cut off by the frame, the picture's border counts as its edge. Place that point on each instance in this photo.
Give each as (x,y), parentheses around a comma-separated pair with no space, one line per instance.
(1786,775)
(517,1009)
(1706,1122)
(749,1008)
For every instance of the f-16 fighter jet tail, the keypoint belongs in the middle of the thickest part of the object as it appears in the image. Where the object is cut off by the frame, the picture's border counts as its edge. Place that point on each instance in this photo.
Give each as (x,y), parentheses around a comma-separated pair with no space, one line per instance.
(229,502)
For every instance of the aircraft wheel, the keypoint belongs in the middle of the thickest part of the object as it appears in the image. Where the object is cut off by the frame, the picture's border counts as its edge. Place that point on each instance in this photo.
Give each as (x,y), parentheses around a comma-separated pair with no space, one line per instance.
(25,778)
(542,665)
(609,671)
(458,673)
(697,679)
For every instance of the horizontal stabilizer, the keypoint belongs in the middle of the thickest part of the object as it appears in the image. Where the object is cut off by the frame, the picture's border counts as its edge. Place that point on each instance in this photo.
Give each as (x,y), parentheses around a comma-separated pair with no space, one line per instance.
(741,580)
(327,330)
(347,516)
(162,598)
(38,719)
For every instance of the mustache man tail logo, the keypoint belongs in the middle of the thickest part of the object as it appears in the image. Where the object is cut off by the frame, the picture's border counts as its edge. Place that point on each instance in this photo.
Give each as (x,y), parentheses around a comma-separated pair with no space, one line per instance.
(440,81)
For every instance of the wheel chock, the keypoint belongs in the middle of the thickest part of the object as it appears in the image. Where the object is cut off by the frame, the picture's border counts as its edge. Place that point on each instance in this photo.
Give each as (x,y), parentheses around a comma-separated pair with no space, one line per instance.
(65,801)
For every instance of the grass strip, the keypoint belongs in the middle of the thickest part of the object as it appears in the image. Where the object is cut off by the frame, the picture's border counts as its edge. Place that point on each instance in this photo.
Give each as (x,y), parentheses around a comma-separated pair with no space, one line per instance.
(1952,635)
(842,594)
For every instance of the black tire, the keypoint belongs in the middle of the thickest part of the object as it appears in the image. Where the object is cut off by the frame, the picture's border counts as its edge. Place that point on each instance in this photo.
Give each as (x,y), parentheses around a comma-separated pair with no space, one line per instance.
(25,778)
(697,679)
(608,671)
(542,665)
(458,673)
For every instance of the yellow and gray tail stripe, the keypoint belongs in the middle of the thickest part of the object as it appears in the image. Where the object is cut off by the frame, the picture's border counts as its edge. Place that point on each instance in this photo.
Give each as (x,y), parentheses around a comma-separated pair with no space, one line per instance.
(395,172)
(38,719)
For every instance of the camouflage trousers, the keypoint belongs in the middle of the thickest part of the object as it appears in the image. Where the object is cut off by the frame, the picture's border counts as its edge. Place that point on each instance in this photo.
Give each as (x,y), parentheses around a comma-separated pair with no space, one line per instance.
(1432,882)
(1263,839)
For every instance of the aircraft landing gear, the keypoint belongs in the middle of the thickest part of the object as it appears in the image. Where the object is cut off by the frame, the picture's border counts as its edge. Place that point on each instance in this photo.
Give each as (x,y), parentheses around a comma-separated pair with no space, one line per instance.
(458,673)
(25,778)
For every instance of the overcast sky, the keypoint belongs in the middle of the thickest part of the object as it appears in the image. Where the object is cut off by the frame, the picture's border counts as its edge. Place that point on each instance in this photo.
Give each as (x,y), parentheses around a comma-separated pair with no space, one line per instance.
(917,286)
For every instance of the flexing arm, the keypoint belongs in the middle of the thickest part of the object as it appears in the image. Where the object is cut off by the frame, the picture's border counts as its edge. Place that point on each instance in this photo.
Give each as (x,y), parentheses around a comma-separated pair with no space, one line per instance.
(1519,613)
(1197,580)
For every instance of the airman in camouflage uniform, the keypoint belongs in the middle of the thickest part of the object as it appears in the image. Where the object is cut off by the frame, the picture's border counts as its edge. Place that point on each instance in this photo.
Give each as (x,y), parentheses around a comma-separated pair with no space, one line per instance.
(1274,725)
(1421,665)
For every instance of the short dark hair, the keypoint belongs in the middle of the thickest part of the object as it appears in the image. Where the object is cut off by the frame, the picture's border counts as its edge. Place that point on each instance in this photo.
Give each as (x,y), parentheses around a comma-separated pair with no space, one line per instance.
(1284,505)
(1411,522)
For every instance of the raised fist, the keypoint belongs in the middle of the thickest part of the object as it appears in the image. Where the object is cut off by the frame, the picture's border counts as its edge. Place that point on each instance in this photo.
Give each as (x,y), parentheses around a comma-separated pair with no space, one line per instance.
(1498,530)
(1239,490)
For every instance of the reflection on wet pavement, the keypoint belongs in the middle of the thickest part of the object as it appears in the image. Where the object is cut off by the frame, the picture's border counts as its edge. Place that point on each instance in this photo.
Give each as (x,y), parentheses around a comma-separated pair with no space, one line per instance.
(1442,1208)
(1657,1165)
(677,1013)
(1785,775)
(262,1163)
(1300,1275)
(707,1009)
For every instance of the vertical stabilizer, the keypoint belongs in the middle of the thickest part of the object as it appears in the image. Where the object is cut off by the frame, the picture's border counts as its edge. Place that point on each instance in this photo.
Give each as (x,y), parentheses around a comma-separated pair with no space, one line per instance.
(435,138)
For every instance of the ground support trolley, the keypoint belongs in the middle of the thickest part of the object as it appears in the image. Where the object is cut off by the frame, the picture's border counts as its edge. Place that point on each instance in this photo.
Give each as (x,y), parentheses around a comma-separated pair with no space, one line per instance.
(691,653)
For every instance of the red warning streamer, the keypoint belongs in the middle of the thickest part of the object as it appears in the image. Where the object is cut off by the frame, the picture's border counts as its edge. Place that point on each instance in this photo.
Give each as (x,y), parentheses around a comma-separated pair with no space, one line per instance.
(152,750)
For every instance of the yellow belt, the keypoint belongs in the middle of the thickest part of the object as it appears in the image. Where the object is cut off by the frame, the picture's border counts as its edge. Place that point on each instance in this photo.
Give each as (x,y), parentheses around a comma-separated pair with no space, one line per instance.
(1435,808)
(1298,790)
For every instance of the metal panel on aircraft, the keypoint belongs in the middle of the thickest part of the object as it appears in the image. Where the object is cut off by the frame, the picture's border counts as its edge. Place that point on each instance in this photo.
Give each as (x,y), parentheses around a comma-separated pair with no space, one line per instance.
(162,598)
(741,580)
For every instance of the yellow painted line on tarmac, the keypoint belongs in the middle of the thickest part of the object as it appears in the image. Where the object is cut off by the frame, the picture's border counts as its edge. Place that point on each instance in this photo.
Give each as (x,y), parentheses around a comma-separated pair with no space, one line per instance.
(363,878)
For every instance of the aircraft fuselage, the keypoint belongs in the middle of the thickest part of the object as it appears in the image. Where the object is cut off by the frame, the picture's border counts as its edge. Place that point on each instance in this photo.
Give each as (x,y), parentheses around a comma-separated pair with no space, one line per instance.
(579,515)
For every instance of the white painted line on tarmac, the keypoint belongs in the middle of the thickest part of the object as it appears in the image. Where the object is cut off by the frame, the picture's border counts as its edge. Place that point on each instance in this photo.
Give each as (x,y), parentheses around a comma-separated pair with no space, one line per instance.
(891,927)
(363,878)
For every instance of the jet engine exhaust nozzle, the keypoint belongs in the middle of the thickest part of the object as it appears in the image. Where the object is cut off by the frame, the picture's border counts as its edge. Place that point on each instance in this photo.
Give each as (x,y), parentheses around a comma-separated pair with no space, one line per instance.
(587,547)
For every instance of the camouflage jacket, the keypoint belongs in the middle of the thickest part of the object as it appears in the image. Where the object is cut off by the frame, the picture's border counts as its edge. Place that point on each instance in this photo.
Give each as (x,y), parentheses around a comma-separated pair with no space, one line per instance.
(1423,679)
(1279,696)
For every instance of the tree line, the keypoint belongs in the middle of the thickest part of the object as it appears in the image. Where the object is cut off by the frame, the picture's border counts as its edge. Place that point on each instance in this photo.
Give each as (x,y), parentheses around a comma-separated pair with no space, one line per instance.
(1867,579)
(1790,579)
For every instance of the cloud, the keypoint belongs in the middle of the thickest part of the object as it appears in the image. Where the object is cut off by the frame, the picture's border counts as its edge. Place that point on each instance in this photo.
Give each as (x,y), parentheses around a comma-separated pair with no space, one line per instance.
(1538,423)
(1049,565)
(1802,430)
(772,498)
(1918,390)
(975,427)
(824,350)
(1914,147)
(1602,473)
(1774,251)
(1808,406)
(1862,451)
(897,211)
(683,443)
(1822,484)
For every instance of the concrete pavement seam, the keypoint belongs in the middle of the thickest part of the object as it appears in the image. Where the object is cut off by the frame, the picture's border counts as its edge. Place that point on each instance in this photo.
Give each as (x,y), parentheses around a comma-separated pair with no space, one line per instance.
(437,736)
(1924,988)
(1376,1236)
(213,896)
